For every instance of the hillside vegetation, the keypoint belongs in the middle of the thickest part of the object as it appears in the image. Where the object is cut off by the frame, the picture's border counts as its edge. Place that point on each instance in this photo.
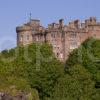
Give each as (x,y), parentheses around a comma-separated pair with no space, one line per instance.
(34,71)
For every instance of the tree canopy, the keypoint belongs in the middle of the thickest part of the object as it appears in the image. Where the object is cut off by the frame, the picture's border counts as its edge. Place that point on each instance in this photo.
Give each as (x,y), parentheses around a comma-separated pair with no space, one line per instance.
(33,69)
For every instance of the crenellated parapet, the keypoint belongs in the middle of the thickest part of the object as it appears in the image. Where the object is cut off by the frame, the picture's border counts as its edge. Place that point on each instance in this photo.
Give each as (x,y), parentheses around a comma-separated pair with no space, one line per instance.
(23,28)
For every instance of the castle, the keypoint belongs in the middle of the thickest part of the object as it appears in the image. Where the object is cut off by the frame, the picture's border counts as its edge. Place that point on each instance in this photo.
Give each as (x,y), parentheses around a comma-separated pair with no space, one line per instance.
(63,38)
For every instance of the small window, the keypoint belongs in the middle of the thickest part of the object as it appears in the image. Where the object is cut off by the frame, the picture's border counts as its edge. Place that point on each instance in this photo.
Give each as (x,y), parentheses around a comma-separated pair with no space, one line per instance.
(21,38)
(27,37)
(57,54)
(53,35)
(37,38)
(73,45)
(61,55)
(73,36)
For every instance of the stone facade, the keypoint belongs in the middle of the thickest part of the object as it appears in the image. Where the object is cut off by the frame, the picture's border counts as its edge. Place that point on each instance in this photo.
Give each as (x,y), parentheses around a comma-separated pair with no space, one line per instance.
(63,38)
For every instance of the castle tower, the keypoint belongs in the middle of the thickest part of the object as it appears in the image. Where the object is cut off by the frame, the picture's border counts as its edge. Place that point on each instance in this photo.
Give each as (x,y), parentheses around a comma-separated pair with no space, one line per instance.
(24,35)
(30,32)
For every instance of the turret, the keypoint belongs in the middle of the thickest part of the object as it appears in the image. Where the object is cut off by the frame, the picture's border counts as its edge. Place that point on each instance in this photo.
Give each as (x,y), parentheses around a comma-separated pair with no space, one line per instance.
(93,20)
(74,24)
(24,35)
(90,21)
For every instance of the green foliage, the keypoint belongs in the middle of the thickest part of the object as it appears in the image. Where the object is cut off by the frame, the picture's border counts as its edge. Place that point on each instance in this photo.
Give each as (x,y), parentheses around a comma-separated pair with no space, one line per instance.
(88,57)
(33,67)
(34,70)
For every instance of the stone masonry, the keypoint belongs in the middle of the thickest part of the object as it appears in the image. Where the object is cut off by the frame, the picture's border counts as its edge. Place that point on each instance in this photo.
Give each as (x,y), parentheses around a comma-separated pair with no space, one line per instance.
(63,38)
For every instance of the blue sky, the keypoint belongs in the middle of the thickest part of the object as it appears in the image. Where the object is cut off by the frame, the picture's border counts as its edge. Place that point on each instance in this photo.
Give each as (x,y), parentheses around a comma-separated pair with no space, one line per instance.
(16,12)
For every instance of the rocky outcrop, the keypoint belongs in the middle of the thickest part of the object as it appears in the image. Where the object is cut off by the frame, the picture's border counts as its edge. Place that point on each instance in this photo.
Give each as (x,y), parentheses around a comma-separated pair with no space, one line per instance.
(4,96)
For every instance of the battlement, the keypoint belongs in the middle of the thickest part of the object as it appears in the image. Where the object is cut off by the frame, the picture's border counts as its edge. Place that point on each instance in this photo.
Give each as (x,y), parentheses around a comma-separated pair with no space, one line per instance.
(91,21)
(23,28)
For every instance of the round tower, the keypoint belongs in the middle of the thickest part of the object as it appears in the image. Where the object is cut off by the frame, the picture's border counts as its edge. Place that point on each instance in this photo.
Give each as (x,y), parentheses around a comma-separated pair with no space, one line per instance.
(24,35)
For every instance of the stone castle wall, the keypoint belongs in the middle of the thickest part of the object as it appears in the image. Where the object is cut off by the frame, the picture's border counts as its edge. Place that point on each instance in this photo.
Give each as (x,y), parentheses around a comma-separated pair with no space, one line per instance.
(63,38)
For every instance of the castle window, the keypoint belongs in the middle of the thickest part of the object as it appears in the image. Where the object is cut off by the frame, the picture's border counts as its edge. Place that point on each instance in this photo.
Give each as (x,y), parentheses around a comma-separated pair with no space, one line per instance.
(21,38)
(61,55)
(37,38)
(57,54)
(73,45)
(53,35)
(33,31)
(27,37)
(73,36)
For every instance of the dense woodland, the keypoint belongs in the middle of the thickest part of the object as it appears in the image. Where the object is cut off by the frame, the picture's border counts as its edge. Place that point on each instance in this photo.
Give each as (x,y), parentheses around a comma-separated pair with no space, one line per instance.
(76,79)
